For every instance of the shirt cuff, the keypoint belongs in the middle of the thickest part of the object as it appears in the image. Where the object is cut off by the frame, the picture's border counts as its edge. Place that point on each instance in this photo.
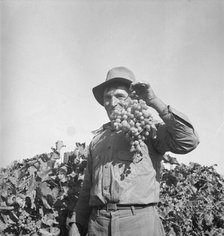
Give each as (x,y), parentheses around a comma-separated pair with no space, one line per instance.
(170,113)
(165,112)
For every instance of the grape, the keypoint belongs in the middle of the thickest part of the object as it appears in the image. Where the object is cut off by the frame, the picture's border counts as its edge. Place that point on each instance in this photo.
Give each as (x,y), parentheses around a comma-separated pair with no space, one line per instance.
(26,222)
(136,122)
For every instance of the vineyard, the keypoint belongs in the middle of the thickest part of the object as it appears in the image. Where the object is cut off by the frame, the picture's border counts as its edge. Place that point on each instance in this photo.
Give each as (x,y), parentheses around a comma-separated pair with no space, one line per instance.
(38,194)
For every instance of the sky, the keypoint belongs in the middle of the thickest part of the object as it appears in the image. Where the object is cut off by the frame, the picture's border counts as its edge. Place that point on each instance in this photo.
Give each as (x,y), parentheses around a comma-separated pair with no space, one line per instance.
(54,52)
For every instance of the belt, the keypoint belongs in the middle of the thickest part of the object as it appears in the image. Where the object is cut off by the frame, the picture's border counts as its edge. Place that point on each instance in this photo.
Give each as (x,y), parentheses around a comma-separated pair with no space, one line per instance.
(115,207)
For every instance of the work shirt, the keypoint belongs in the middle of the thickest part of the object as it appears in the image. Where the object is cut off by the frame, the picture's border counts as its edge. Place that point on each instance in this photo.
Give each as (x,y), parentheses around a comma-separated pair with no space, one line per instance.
(112,177)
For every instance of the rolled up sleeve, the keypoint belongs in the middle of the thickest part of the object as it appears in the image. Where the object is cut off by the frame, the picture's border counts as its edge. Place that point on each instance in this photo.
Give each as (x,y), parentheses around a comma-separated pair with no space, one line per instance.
(176,134)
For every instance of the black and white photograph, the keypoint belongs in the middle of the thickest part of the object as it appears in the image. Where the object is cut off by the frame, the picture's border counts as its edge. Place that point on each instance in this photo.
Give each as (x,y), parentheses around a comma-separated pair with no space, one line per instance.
(112,118)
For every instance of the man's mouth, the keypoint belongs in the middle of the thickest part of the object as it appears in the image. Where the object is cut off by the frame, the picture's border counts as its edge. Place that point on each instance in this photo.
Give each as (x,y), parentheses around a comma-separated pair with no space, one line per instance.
(116,110)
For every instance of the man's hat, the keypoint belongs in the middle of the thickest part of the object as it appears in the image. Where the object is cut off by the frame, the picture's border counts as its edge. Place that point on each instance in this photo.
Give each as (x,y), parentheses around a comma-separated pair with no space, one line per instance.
(117,74)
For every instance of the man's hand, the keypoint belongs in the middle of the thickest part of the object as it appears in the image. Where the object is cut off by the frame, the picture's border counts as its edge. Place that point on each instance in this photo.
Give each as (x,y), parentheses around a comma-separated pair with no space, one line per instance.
(73,230)
(142,91)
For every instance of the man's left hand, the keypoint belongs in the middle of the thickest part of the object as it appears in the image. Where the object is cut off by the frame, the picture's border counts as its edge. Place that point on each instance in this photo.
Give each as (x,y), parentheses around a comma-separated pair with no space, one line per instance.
(143,91)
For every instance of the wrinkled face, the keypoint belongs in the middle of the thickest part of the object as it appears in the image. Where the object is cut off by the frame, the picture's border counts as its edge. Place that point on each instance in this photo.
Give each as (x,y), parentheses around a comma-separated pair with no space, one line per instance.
(114,99)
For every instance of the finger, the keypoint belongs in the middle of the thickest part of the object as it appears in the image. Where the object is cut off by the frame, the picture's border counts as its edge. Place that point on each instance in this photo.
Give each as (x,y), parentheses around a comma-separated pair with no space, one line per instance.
(135,86)
(139,85)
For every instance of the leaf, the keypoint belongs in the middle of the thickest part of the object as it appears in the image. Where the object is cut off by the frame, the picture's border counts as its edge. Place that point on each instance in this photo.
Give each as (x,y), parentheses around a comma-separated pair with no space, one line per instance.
(32,170)
(50,200)
(169,159)
(20,201)
(44,232)
(170,179)
(172,232)
(50,194)
(66,189)
(45,203)
(7,219)
(13,180)
(44,188)
(55,193)
(44,173)
(6,208)
(3,226)
(55,231)
(49,219)
(32,196)
(32,185)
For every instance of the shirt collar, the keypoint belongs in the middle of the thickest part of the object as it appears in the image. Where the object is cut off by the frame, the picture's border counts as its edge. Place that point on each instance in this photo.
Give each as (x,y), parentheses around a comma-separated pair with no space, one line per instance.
(107,126)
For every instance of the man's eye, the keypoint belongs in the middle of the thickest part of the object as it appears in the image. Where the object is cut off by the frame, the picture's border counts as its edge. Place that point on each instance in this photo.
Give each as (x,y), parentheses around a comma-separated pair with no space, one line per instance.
(120,96)
(106,98)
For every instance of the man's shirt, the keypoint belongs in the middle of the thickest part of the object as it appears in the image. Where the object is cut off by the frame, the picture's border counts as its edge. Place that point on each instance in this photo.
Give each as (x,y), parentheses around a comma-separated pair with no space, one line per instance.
(111,176)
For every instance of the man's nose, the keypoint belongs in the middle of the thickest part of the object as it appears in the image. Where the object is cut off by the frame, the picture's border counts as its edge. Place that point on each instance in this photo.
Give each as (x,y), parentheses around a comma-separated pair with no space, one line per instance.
(114,101)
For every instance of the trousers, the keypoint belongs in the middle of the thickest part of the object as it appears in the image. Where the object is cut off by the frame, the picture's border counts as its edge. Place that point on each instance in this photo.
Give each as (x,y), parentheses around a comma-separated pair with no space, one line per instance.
(128,222)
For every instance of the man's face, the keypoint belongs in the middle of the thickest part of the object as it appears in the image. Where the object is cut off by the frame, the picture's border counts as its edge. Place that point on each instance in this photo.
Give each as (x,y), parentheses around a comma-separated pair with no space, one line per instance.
(114,99)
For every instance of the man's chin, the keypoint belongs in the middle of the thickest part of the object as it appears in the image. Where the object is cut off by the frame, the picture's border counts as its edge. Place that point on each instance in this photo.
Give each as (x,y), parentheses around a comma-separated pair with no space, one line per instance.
(113,114)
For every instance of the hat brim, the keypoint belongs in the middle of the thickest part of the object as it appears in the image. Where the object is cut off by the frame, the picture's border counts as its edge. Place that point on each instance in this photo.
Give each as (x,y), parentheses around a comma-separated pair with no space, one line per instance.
(98,91)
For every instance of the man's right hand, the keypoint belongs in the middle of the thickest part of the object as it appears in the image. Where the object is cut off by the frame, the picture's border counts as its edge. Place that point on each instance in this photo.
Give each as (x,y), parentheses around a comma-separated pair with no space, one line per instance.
(73,230)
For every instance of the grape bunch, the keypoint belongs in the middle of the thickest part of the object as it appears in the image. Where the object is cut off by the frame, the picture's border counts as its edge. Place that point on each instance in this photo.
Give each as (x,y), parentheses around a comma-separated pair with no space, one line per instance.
(27,223)
(136,121)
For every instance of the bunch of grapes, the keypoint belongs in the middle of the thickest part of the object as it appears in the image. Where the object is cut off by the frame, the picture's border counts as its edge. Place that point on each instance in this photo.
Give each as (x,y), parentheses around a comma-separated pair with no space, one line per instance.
(26,223)
(136,122)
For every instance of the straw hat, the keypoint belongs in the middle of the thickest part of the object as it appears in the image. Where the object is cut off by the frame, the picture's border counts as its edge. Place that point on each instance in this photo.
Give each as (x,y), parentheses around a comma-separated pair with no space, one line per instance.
(117,74)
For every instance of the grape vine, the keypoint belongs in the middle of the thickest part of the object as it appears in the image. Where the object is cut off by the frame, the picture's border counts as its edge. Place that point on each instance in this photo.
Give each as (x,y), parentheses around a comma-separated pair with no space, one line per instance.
(37,195)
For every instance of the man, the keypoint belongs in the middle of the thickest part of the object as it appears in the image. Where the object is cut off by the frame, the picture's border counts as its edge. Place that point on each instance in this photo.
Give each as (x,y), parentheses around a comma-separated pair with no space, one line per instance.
(118,204)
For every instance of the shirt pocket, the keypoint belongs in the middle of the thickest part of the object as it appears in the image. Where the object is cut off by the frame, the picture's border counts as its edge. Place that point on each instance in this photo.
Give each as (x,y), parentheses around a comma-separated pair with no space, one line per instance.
(97,161)
(124,156)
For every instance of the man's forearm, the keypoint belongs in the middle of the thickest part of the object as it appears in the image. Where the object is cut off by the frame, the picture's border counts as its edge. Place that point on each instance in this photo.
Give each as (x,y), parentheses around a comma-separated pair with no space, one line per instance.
(157,104)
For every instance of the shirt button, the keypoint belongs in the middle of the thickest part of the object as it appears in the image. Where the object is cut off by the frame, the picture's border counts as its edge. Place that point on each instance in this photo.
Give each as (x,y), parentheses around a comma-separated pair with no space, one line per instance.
(105,188)
(109,147)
